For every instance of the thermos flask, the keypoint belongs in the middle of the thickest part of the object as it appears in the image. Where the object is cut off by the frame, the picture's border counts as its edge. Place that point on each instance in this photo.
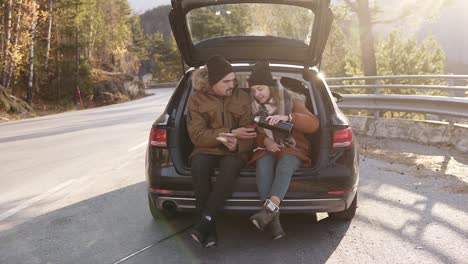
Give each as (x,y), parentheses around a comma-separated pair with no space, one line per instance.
(282,127)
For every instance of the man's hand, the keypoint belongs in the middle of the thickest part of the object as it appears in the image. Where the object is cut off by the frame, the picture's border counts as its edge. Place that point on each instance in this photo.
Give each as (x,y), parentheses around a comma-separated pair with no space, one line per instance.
(271,145)
(274,119)
(244,133)
(229,140)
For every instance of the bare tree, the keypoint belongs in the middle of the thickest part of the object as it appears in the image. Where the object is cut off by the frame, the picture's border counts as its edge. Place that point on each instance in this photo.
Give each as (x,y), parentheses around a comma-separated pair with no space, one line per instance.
(31,54)
(19,15)
(2,30)
(49,33)
(6,51)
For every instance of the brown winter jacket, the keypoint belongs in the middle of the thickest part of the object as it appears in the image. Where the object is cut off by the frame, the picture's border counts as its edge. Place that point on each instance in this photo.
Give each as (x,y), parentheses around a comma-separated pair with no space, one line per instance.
(304,123)
(210,114)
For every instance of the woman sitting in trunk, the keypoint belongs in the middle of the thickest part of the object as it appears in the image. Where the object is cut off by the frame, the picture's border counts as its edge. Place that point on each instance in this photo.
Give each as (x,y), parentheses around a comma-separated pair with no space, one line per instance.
(277,155)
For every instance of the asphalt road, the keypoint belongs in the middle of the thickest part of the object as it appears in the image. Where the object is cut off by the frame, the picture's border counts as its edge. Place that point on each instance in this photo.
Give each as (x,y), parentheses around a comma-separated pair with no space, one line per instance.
(72,190)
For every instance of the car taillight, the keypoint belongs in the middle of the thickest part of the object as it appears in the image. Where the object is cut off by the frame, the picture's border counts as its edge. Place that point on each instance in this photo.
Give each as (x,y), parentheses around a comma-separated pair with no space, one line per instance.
(343,138)
(341,192)
(158,138)
(161,191)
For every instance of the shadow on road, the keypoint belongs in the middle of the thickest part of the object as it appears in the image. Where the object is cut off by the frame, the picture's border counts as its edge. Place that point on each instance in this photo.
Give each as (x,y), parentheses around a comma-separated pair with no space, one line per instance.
(97,230)
(111,226)
(394,216)
(307,241)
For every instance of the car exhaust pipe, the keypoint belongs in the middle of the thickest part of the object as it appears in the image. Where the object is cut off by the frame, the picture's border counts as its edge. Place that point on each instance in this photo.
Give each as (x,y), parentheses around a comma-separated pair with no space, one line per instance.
(170,206)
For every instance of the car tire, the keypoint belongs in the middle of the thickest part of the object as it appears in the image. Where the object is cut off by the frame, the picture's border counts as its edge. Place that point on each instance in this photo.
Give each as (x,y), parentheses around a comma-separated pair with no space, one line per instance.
(158,214)
(345,215)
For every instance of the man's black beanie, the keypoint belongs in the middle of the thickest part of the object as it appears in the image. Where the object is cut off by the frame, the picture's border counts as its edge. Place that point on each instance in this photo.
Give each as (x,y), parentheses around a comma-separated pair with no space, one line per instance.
(261,75)
(218,68)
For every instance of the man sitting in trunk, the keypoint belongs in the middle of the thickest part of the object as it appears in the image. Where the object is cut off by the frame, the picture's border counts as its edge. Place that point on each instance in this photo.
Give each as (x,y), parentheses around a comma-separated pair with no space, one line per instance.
(218,114)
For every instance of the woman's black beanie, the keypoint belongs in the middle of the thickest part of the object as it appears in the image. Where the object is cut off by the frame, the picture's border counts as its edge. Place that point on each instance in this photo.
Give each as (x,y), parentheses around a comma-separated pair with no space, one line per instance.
(218,68)
(261,75)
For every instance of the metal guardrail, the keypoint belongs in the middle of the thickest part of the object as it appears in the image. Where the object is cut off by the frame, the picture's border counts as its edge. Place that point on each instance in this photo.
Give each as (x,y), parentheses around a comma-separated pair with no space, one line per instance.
(437,105)
(399,77)
(403,86)
(454,105)
(162,85)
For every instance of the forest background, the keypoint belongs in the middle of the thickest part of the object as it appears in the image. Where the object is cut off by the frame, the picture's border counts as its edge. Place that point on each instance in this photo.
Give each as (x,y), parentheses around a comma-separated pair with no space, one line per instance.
(54,52)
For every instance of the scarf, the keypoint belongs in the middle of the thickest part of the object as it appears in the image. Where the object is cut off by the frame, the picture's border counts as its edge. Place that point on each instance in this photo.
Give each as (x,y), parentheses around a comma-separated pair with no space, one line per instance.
(284,107)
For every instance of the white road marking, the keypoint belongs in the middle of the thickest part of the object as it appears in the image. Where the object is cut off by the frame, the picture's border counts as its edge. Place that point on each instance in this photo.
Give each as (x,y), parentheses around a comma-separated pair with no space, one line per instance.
(144,143)
(34,200)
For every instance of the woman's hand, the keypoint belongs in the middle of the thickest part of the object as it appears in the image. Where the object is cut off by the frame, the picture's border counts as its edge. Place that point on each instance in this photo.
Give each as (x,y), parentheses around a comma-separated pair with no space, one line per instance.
(274,119)
(271,145)
(244,132)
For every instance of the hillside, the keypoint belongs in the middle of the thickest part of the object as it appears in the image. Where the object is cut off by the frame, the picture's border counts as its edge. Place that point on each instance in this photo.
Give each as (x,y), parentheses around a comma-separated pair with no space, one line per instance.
(450,17)
(451,33)
(443,19)
(156,21)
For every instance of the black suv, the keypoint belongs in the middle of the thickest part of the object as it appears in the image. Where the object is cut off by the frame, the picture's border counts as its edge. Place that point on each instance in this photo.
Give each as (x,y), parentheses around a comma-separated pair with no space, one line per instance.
(294,48)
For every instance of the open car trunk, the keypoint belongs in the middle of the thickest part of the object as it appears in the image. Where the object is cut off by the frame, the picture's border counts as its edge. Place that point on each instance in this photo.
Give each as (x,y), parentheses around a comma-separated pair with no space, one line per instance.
(184,147)
(246,31)
(251,30)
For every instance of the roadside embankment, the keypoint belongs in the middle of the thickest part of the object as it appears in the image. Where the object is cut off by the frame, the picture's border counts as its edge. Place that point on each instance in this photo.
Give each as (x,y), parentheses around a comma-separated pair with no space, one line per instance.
(434,133)
(417,160)
(104,88)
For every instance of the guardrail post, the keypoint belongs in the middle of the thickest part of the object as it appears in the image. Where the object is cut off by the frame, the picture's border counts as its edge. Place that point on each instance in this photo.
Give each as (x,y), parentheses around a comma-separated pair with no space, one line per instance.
(456,93)
(377,113)
(453,93)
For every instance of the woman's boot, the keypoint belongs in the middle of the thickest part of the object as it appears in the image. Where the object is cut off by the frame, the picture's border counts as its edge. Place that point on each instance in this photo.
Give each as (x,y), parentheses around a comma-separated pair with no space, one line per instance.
(276,229)
(265,216)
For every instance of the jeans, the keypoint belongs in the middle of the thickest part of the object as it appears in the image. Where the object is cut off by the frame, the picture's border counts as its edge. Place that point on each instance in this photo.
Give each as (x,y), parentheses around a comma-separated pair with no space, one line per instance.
(273,176)
(210,197)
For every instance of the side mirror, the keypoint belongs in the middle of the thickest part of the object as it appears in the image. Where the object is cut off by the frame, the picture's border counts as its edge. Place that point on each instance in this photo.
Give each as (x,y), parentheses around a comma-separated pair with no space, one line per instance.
(338,97)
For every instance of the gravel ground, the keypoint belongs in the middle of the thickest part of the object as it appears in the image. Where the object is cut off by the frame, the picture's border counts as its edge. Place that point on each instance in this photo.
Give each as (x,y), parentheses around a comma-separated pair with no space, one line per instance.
(420,160)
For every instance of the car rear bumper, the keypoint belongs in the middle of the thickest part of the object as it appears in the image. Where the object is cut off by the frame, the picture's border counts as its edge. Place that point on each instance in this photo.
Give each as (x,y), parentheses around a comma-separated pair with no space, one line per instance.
(187,204)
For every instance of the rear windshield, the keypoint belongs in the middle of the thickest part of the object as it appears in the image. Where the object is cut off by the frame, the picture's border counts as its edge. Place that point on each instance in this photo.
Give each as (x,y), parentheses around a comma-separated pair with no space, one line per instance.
(275,20)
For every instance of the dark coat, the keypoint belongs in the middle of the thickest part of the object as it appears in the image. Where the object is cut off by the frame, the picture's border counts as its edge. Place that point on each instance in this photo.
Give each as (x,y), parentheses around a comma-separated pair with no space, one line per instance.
(210,114)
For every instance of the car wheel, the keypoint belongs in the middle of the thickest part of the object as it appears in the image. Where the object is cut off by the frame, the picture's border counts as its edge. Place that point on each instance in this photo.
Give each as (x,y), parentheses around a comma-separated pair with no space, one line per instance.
(345,215)
(158,214)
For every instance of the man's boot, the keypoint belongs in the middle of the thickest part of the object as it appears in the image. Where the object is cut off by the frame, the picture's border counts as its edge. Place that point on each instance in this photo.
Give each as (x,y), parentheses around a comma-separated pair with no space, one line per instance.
(202,229)
(211,239)
(276,229)
(265,216)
